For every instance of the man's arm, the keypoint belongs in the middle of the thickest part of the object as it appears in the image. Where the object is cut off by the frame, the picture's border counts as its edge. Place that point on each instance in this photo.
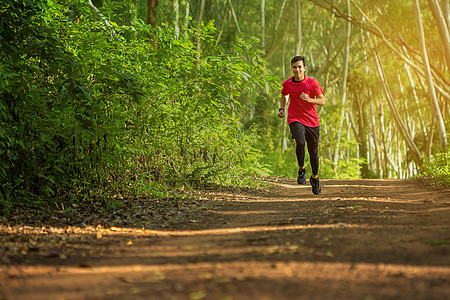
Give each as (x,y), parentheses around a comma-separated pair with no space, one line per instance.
(283,101)
(319,100)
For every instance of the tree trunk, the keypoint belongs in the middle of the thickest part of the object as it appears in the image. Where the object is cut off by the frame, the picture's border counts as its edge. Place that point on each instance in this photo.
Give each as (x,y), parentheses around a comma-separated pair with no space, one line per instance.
(200,10)
(382,141)
(447,13)
(263,26)
(362,140)
(222,22)
(430,140)
(283,59)
(343,87)
(176,8)
(298,23)
(399,156)
(151,12)
(431,90)
(234,16)
(363,121)
(200,7)
(186,20)
(375,141)
(277,24)
(349,126)
(442,27)
(417,156)
(416,99)
(107,24)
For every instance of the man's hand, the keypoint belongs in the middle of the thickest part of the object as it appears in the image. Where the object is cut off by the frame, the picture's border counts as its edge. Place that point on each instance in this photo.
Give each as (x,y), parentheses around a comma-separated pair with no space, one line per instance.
(281,113)
(305,97)
(319,100)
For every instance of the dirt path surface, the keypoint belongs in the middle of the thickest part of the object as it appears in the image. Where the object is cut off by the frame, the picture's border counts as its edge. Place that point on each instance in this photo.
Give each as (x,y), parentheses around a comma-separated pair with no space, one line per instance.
(359,239)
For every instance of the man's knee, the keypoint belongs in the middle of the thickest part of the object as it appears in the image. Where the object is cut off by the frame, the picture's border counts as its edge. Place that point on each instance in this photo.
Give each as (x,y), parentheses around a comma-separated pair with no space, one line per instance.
(300,143)
(313,150)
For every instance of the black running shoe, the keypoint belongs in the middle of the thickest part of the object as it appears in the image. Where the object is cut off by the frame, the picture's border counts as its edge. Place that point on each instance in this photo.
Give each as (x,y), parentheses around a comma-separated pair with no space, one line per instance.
(301,179)
(316,189)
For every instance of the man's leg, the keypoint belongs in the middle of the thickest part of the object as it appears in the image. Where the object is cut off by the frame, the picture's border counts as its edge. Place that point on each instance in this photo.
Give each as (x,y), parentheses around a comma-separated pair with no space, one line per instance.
(312,139)
(299,134)
(312,135)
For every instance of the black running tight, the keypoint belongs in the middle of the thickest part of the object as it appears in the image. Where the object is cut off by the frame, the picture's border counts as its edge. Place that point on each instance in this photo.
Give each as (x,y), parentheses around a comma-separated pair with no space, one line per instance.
(309,135)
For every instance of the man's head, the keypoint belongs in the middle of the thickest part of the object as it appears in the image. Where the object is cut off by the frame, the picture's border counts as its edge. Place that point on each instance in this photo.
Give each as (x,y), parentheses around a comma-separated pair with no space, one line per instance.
(298,67)
(298,58)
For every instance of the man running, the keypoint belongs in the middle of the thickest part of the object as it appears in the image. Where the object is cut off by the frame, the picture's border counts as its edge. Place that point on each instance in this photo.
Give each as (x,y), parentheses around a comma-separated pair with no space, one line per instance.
(304,94)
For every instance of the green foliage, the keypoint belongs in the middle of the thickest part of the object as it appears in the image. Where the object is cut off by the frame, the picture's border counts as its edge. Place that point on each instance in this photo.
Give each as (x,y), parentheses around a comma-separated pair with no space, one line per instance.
(86,114)
(438,168)
(283,163)
(40,84)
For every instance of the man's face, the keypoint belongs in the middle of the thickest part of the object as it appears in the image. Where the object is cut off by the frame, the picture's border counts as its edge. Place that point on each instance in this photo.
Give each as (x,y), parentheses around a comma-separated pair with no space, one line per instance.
(298,69)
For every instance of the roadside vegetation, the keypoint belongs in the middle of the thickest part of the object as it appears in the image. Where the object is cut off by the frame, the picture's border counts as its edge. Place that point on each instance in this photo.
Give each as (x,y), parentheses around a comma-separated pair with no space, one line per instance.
(101,99)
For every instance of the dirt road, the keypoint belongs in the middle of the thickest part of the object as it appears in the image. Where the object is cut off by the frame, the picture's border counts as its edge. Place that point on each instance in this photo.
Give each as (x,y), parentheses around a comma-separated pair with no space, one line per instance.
(359,239)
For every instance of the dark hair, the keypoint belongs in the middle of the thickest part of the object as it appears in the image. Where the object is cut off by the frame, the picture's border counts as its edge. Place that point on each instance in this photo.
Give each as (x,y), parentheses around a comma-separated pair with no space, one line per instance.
(298,58)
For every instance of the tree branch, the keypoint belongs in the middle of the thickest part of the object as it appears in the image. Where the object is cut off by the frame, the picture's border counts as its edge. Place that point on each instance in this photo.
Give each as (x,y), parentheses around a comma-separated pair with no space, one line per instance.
(441,84)
(108,25)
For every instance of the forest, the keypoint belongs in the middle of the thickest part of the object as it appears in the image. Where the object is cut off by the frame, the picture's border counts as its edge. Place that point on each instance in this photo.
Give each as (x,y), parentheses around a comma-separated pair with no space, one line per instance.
(101,98)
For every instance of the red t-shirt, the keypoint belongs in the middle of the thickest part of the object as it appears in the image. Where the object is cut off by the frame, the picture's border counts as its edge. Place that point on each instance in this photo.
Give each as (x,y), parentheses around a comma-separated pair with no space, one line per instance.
(300,110)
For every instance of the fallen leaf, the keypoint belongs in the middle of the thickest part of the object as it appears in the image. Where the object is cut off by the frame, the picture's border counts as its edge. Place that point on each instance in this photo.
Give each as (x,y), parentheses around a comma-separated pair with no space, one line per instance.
(293,247)
(158,275)
(128,279)
(221,279)
(197,295)
(273,249)
(436,242)
(189,247)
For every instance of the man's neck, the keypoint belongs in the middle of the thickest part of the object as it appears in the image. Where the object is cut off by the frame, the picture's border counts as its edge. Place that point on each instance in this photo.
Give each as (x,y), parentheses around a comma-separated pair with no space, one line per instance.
(299,79)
